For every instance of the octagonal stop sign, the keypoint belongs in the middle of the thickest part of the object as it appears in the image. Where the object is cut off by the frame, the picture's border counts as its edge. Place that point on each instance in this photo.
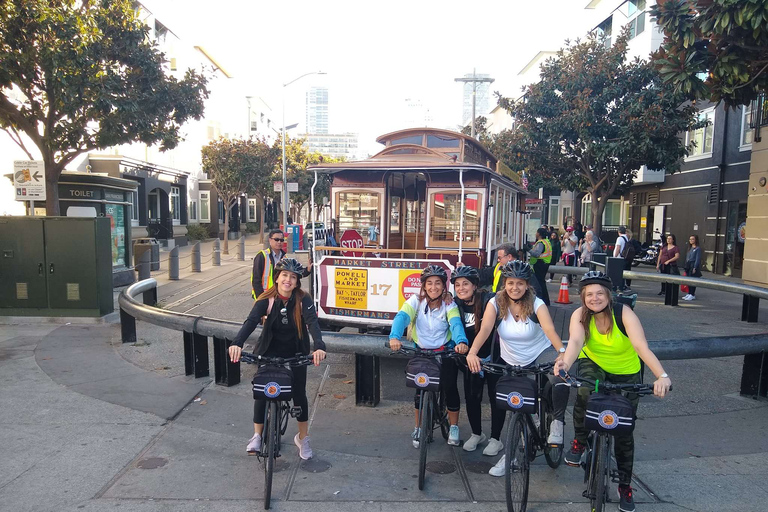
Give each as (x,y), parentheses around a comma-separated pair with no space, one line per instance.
(351,239)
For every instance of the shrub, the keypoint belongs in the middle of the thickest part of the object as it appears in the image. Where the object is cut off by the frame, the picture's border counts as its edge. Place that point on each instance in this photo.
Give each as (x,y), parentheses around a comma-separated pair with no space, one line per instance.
(197,231)
(252,227)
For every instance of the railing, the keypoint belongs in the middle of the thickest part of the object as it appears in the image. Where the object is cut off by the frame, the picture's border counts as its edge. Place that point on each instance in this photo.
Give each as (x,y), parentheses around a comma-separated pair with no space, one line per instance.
(197,329)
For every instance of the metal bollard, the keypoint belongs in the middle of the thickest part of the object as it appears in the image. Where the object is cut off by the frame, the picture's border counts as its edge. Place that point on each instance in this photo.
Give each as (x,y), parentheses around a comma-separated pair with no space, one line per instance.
(150,296)
(225,371)
(173,264)
(750,306)
(672,290)
(196,355)
(127,327)
(754,375)
(367,380)
(197,265)
(216,253)
(241,249)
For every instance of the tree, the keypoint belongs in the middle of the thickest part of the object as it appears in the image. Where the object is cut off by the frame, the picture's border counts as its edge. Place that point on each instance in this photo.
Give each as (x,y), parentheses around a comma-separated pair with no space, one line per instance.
(714,49)
(88,78)
(594,119)
(237,167)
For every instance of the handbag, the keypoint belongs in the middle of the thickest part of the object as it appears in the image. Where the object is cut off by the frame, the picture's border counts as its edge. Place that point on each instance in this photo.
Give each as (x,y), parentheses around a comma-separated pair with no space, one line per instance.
(423,373)
(273,383)
(684,287)
(610,413)
(517,394)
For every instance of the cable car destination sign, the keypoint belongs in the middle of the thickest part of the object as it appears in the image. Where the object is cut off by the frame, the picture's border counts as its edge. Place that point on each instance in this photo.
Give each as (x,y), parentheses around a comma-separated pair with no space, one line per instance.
(369,291)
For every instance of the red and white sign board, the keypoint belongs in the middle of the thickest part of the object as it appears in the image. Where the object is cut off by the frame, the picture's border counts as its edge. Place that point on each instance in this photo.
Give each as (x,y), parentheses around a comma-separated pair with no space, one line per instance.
(351,239)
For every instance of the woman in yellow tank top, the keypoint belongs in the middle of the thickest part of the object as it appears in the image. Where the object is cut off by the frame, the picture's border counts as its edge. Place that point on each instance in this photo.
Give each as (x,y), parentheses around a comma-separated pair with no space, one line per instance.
(608,354)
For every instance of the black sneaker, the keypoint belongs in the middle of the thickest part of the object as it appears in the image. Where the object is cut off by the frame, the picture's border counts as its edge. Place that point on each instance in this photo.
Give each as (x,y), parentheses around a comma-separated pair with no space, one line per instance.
(626,503)
(573,457)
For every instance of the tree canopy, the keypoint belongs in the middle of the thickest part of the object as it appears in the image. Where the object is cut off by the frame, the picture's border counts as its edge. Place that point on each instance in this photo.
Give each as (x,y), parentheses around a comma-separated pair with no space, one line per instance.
(714,49)
(594,119)
(77,76)
(236,167)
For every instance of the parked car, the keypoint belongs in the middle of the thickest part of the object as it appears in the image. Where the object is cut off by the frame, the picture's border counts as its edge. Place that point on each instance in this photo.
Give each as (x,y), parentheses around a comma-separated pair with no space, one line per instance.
(308,233)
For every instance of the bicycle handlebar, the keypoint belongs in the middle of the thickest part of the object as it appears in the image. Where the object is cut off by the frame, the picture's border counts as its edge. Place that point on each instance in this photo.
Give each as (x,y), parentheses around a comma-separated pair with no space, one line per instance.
(639,389)
(297,360)
(427,352)
(499,368)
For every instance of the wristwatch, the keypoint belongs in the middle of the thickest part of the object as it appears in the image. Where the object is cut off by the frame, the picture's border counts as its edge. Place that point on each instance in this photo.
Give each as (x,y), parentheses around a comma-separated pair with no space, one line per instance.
(561,350)
(663,376)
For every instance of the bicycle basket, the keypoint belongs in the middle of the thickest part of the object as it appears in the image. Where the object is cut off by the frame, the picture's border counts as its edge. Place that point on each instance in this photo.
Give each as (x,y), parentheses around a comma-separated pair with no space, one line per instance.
(273,382)
(518,394)
(610,413)
(423,373)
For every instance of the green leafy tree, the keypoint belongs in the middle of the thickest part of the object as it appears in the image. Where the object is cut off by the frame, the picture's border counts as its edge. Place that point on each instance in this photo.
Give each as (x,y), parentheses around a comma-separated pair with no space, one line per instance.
(714,49)
(237,167)
(594,119)
(77,76)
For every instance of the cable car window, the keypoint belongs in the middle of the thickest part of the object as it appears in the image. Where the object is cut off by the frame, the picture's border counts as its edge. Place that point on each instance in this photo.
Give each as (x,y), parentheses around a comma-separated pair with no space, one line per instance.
(435,141)
(446,218)
(413,139)
(357,210)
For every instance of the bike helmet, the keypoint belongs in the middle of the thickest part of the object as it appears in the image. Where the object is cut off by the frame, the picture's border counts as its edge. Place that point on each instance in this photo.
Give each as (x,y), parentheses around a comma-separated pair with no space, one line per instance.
(434,270)
(469,273)
(595,277)
(289,265)
(518,269)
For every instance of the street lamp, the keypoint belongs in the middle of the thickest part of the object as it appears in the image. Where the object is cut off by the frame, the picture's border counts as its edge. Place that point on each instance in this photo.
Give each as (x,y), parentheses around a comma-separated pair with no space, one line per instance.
(285,176)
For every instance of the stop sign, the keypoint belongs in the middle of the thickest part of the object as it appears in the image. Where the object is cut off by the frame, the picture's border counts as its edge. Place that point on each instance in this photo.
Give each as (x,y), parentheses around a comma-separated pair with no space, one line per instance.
(351,239)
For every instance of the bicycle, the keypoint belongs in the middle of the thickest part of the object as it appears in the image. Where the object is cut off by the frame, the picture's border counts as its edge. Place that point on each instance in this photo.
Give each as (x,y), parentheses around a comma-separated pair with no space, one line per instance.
(604,423)
(277,390)
(524,437)
(433,412)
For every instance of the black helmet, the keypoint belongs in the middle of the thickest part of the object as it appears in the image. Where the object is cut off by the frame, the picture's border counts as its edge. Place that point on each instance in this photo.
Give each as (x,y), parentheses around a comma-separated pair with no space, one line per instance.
(289,265)
(434,270)
(595,277)
(469,273)
(518,269)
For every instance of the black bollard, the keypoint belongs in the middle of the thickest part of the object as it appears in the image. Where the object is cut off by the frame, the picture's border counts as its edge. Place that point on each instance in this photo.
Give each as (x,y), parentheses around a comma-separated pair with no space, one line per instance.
(367,380)
(750,306)
(127,327)
(225,371)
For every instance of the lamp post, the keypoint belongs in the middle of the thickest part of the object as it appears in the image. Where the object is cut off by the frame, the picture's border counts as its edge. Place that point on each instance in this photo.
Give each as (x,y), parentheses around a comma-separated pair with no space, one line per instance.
(285,176)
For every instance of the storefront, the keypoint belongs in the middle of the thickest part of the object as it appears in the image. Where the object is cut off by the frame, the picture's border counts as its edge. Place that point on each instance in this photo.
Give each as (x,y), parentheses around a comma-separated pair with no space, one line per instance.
(92,195)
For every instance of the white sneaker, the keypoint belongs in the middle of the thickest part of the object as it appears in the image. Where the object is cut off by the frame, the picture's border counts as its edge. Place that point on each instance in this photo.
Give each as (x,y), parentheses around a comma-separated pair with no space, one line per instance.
(498,469)
(453,436)
(493,448)
(305,451)
(415,437)
(693,297)
(549,280)
(687,297)
(470,444)
(555,432)
(254,445)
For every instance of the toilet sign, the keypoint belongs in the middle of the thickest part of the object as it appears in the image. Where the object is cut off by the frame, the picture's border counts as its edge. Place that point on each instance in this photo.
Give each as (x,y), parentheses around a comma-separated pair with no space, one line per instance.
(29,180)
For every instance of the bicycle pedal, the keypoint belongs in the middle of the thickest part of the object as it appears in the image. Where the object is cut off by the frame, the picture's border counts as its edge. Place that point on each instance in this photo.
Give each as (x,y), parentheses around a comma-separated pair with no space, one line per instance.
(295,412)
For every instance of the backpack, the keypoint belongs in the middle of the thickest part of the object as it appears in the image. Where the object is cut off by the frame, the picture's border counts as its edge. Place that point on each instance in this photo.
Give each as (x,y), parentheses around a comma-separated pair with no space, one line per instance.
(629,251)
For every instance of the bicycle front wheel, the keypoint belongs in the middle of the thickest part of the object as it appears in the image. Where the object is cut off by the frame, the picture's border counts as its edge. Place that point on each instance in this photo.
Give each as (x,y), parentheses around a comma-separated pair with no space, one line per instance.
(517,465)
(425,425)
(271,440)
(601,473)
(442,416)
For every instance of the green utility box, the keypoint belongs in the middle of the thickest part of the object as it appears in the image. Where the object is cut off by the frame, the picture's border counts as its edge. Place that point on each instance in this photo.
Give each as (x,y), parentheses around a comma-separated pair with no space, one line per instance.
(55,266)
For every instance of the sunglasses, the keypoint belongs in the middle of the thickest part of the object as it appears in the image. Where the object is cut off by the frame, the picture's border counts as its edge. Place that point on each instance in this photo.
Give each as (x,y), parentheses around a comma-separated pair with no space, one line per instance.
(284,312)
(278,239)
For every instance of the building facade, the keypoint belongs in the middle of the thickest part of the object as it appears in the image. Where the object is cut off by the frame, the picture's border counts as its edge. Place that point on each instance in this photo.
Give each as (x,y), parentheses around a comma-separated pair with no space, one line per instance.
(342,145)
(317,110)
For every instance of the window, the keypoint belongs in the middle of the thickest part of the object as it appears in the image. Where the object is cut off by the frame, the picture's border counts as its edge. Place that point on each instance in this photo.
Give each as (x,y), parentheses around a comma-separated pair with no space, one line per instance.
(135,208)
(193,210)
(567,220)
(175,205)
(634,6)
(605,29)
(357,210)
(220,204)
(413,216)
(394,212)
(205,203)
(747,133)
(435,141)
(413,139)
(554,211)
(637,26)
(612,214)
(252,210)
(702,137)
(446,217)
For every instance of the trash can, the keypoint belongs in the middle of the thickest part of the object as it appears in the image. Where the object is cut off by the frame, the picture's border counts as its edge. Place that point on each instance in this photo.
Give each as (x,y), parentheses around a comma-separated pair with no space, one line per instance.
(294,232)
(142,245)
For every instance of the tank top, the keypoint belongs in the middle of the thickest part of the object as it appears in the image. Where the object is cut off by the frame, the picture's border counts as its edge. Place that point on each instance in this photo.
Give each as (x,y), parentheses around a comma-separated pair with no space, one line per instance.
(612,352)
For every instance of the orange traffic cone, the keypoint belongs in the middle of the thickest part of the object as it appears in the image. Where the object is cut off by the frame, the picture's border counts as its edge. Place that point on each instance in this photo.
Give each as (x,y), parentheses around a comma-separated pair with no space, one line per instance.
(563,297)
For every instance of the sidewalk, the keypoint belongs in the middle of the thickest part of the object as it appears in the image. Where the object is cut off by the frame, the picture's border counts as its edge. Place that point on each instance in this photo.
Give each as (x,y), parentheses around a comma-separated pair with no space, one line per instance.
(90,424)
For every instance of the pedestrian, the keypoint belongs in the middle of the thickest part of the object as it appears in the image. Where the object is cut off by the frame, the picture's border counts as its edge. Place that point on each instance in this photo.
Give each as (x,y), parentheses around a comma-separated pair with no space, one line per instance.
(490,277)
(265,261)
(472,302)
(570,244)
(588,247)
(693,264)
(527,337)
(621,250)
(554,239)
(289,317)
(436,323)
(606,353)
(540,257)
(667,262)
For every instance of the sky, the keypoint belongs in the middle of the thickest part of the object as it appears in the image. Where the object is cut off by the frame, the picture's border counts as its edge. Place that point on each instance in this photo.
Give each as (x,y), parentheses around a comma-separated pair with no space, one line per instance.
(374,54)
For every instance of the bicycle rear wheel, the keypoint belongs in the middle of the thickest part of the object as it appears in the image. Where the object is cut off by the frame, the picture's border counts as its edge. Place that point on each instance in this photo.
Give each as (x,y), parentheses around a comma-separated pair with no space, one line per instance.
(425,424)
(271,440)
(442,416)
(601,473)
(553,453)
(517,465)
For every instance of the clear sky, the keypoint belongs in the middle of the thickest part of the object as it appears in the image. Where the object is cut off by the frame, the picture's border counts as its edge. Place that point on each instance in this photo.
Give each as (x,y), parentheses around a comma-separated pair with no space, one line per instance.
(375,54)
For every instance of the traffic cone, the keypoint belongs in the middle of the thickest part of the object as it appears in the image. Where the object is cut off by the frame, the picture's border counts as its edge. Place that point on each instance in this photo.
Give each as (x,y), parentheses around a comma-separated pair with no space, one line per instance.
(563,297)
